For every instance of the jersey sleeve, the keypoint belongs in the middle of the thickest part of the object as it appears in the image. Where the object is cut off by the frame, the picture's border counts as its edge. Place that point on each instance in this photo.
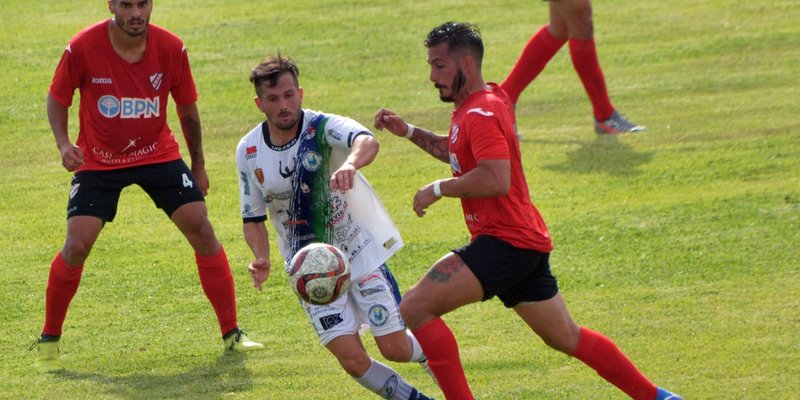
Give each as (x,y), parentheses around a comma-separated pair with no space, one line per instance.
(342,131)
(251,200)
(486,137)
(183,89)
(67,78)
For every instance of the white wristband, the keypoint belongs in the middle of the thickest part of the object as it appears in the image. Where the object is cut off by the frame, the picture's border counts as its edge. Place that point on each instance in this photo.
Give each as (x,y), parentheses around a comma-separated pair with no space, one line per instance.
(409,131)
(437,188)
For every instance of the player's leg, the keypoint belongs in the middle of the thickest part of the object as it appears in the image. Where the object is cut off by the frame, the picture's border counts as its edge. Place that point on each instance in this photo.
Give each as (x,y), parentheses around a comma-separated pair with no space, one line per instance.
(538,51)
(173,189)
(448,285)
(337,326)
(93,200)
(577,16)
(551,320)
(378,299)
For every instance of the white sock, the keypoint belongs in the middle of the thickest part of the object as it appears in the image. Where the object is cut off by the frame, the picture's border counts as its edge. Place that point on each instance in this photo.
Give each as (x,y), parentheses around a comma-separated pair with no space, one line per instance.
(386,382)
(416,350)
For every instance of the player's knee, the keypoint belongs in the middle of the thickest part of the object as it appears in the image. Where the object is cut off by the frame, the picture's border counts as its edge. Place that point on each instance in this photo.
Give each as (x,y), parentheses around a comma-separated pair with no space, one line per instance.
(412,309)
(355,366)
(563,341)
(75,253)
(396,353)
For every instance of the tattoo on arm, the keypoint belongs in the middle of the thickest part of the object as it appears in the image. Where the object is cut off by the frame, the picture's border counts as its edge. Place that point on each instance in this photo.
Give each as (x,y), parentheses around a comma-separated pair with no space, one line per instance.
(433,144)
(443,272)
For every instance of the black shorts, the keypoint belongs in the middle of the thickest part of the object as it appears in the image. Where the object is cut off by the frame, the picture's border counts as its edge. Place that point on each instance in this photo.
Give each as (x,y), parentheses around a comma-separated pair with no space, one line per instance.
(96,193)
(512,274)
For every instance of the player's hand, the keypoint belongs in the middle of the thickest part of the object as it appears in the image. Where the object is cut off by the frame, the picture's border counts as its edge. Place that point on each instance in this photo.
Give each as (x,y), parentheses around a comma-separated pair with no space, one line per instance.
(259,271)
(388,120)
(342,178)
(71,157)
(424,198)
(201,177)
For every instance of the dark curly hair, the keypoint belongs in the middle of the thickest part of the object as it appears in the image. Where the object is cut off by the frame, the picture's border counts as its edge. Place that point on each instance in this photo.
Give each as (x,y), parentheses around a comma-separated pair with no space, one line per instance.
(459,36)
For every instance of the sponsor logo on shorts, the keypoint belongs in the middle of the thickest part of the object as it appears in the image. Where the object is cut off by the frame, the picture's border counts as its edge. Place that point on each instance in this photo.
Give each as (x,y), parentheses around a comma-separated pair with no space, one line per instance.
(329,321)
(370,291)
(367,279)
(378,314)
(74,190)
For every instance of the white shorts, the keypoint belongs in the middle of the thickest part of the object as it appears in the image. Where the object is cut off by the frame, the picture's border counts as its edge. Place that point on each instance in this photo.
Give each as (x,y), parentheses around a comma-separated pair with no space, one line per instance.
(373,300)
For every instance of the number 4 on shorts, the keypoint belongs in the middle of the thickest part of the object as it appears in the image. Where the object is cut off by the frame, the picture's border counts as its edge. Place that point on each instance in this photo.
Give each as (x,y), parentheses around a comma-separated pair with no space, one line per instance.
(186,181)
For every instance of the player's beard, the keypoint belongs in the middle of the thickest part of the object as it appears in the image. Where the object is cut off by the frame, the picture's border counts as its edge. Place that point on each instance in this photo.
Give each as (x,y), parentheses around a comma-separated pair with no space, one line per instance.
(125,26)
(278,122)
(455,88)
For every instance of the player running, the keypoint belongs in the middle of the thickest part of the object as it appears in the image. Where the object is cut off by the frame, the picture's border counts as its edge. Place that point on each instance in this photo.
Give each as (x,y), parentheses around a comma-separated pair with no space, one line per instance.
(570,22)
(125,69)
(509,253)
(301,166)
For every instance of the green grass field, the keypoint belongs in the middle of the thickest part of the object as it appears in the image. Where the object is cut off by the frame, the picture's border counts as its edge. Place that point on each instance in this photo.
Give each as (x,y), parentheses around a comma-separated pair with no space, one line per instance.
(681,243)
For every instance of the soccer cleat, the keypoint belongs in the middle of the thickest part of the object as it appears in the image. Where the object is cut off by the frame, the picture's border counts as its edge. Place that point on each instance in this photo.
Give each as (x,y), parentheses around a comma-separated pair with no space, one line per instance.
(427,368)
(616,124)
(667,395)
(48,357)
(237,341)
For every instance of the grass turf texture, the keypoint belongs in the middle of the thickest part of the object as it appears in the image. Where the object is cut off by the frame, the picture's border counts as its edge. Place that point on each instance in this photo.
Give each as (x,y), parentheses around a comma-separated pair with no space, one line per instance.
(679,243)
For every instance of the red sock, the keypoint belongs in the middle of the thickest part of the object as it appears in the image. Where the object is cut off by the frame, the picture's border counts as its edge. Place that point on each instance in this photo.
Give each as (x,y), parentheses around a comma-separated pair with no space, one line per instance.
(62,284)
(541,47)
(587,65)
(441,349)
(217,282)
(600,353)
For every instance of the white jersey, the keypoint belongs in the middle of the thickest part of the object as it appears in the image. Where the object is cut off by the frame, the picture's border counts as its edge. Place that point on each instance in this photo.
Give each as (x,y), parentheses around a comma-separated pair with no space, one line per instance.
(292,183)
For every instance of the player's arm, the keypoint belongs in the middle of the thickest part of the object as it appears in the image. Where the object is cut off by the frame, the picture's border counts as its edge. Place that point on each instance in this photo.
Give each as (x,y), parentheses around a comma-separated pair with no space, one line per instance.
(58,115)
(431,143)
(490,178)
(363,152)
(257,238)
(189,116)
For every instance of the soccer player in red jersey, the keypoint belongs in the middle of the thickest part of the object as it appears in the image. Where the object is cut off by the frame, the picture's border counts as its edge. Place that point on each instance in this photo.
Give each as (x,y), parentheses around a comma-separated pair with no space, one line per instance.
(508,255)
(125,69)
(570,21)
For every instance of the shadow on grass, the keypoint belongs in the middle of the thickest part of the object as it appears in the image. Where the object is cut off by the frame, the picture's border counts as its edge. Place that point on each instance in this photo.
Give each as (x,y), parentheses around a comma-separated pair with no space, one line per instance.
(605,155)
(229,374)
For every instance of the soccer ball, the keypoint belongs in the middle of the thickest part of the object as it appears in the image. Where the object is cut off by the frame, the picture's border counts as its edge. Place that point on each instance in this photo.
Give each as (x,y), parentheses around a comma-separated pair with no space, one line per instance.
(319,273)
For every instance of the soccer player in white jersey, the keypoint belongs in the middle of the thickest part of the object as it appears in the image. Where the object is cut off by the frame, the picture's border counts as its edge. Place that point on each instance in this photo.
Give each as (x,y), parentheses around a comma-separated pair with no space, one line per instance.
(301,167)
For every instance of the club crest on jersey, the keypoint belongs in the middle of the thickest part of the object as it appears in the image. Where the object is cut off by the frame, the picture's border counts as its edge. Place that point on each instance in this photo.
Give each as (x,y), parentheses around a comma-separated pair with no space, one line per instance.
(128,107)
(259,173)
(312,161)
(454,134)
(156,80)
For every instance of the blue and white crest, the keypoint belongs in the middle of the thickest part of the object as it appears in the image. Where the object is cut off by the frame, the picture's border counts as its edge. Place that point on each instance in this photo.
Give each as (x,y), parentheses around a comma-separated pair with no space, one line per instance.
(378,314)
(312,161)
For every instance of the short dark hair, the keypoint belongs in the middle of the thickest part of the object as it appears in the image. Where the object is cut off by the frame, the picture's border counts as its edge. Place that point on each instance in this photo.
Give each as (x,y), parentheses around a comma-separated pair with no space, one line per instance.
(270,69)
(458,36)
